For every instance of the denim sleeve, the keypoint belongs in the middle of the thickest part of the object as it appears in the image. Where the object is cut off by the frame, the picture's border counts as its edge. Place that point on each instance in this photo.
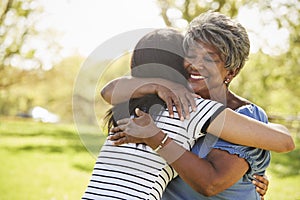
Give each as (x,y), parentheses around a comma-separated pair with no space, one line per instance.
(257,159)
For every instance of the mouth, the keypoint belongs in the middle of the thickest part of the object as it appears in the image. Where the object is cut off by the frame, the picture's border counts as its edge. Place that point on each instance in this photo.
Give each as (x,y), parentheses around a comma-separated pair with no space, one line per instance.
(197,77)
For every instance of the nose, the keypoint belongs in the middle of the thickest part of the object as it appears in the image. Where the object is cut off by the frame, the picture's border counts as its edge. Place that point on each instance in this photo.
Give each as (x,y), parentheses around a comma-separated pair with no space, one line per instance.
(186,63)
(192,67)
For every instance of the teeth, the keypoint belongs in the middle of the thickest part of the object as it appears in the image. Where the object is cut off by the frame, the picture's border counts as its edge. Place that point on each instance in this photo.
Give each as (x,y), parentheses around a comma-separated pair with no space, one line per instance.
(197,76)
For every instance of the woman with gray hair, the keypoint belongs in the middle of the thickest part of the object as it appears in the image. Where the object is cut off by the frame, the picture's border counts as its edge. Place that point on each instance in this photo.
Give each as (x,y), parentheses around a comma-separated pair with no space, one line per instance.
(216,48)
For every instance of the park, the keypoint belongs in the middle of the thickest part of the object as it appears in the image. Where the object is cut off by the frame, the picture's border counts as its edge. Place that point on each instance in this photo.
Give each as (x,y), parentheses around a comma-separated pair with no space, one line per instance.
(46,154)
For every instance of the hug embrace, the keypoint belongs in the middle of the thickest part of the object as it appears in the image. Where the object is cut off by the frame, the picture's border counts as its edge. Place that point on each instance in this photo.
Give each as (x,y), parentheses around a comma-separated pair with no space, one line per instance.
(176,131)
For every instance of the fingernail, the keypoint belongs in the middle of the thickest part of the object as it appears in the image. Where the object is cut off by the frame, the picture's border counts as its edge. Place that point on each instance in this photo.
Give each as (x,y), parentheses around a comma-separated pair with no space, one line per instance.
(254,176)
(171,116)
(182,118)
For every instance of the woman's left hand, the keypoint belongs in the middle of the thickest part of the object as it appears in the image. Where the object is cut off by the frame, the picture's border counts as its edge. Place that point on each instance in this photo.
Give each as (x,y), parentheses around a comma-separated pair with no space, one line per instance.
(120,138)
(261,183)
(135,130)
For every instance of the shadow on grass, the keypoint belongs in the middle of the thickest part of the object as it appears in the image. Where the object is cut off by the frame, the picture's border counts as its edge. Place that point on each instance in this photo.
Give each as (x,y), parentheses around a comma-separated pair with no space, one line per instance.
(20,137)
(41,133)
(83,167)
(71,143)
(49,148)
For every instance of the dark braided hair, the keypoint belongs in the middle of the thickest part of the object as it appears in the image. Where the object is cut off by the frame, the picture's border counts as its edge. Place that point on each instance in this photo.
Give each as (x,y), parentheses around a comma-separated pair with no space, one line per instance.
(159,54)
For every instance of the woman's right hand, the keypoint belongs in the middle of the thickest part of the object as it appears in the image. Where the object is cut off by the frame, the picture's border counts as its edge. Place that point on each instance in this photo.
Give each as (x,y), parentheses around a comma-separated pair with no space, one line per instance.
(177,95)
(173,94)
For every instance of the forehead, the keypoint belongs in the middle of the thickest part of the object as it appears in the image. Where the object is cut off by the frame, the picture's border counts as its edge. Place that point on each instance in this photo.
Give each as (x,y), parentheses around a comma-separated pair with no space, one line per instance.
(197,48)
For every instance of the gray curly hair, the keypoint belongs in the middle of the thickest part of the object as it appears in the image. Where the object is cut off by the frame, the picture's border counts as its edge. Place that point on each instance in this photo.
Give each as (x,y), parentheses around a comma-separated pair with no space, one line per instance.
(226,35)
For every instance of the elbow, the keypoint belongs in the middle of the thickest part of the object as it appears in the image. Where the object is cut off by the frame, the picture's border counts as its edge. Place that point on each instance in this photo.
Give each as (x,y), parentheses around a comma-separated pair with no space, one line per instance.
(105,95)
(208,190)
(288,146)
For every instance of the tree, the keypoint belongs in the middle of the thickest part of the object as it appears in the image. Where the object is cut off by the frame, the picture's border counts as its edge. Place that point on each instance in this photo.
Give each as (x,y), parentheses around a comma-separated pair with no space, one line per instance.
(177,13)
(21,41)
(25,49)
(271,77)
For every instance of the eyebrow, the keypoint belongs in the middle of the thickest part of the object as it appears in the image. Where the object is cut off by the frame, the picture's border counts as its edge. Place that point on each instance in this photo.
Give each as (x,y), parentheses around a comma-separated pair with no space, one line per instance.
(212,53)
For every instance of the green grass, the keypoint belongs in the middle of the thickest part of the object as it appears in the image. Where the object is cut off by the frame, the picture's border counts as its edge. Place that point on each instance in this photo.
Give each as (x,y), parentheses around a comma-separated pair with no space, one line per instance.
(49,162)
(42,161)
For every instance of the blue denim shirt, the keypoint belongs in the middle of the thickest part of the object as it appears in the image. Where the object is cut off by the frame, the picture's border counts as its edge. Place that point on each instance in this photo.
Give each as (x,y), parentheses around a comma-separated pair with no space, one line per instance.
(258,160)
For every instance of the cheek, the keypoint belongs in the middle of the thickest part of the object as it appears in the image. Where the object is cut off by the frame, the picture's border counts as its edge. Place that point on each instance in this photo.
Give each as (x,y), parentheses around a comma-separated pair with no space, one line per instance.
(218,74)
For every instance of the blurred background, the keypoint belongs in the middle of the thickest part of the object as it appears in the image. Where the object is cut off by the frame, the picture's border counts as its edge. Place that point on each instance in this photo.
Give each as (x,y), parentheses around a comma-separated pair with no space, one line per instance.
(43,45)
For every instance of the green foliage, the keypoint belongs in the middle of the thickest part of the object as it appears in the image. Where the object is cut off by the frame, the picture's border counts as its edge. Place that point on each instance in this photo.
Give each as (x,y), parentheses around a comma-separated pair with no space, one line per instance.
(189,9)
(50,89)
(94,74)
(53,89)
(22,43)
(270,81)
(116,68)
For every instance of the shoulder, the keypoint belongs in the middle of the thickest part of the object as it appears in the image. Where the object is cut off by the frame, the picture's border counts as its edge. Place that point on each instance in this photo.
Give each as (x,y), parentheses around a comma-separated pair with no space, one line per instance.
(201,103)
(253,111)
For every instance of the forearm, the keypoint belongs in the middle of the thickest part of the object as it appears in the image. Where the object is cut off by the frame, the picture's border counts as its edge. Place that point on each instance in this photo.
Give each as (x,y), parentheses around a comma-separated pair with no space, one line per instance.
(243,130)
(124,88)
(207,177)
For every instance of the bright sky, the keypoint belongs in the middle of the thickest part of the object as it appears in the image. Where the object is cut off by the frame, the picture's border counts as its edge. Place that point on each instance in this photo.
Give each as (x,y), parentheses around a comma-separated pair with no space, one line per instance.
(86,24)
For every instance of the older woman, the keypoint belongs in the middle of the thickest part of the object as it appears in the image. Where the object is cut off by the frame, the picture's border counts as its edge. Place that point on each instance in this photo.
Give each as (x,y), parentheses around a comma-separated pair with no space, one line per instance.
(216,49)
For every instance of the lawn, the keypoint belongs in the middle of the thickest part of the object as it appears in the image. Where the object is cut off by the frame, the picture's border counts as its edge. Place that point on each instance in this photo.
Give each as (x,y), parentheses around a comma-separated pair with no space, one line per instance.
(42,161)
(50,162)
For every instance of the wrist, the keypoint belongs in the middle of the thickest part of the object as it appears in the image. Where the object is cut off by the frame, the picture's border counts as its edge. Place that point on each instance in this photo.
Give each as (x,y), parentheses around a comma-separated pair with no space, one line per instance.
(156,88)
(148,88)
(162,143)
(156,140)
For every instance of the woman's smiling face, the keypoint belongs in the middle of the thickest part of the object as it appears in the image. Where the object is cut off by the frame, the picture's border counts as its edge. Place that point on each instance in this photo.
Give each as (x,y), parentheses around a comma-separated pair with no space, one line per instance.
(206,69)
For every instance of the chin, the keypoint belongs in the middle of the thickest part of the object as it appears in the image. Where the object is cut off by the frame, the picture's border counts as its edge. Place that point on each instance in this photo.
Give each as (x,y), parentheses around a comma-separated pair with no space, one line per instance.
(203,92)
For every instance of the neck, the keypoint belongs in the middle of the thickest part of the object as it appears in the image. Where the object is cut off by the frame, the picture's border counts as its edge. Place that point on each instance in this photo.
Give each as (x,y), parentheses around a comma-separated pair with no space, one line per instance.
(227,97)
(219,94)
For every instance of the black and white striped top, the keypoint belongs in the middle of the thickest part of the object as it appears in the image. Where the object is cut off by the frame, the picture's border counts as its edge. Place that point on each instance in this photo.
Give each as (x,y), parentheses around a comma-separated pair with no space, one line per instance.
(131,171)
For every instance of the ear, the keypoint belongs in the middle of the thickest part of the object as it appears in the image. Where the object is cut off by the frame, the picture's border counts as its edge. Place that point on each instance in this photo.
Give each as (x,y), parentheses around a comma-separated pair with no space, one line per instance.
(232,73)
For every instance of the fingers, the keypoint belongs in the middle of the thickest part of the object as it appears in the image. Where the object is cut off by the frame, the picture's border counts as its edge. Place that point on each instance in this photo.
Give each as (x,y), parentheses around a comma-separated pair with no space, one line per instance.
(178,105)
(122,140)
(194,95)
(185,106)
(262,179)
(169,103)
(115,129)
(118,138)
(261,184)
(261,191)
(123,121)
(138,112)
(191,98)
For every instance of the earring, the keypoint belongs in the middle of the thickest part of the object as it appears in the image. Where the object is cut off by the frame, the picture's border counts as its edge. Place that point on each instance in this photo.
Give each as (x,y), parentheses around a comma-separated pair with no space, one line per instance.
(226,82)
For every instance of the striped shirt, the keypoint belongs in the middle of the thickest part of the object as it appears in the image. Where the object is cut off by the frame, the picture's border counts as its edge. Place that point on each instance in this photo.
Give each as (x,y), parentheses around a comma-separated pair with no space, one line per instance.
(131,171)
